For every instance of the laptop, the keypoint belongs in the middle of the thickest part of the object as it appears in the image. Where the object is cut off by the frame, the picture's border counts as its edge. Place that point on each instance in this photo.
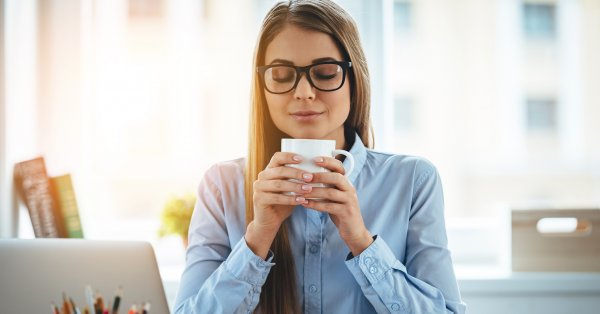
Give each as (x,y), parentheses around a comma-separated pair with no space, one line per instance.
(35,273)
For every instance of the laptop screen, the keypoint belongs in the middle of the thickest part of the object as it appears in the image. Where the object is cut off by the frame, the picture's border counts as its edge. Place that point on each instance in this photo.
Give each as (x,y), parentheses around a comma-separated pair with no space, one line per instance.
(35,273)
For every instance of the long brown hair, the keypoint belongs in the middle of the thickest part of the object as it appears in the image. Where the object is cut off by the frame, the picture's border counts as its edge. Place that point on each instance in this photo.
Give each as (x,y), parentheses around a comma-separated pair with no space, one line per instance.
(279,292)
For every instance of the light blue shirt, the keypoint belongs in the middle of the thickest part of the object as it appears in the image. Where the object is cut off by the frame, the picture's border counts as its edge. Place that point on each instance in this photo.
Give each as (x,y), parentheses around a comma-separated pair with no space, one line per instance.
(407,269)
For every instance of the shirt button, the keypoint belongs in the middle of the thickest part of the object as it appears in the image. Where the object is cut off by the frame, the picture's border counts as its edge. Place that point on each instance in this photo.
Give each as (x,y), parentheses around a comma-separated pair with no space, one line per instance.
(368,261)
(313,289)
(372,269)
(395,307)
(314,249)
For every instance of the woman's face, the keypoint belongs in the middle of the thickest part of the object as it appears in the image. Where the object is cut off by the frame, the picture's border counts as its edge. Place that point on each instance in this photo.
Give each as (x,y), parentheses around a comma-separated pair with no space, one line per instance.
(306,112)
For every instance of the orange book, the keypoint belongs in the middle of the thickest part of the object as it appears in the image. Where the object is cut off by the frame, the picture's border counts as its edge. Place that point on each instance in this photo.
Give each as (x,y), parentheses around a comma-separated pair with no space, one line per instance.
(34,188)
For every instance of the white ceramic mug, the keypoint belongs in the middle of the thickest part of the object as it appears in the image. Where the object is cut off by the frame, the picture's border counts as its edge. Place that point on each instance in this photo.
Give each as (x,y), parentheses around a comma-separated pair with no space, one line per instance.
(309,150)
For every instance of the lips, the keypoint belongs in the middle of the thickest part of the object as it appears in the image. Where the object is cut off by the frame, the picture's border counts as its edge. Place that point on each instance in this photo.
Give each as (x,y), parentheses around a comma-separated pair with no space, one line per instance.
(308,115)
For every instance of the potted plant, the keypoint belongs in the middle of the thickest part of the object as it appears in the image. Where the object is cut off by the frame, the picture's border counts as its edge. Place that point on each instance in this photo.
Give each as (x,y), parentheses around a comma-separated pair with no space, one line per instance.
(175,217)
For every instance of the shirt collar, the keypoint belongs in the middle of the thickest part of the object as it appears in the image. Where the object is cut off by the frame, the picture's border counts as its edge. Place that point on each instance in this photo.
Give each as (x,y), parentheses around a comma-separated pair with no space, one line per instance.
(359,152)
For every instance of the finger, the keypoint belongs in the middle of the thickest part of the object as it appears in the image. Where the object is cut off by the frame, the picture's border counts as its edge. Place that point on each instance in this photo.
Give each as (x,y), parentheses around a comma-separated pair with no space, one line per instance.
(283,172)
(326,207)
(283,158)
(278,186)
(329,194)
(331,164)
(332,178)
(263,198)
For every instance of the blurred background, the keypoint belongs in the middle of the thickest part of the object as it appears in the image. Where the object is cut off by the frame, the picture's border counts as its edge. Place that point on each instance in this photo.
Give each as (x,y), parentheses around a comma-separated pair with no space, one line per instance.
(137,98)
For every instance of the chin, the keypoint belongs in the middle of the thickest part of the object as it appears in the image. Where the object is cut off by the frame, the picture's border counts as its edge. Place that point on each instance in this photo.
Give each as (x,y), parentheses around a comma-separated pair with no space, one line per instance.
(308,134)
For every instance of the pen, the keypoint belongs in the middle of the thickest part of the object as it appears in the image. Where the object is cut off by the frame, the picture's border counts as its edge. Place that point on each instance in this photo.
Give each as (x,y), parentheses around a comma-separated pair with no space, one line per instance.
(118,296)
(89,295)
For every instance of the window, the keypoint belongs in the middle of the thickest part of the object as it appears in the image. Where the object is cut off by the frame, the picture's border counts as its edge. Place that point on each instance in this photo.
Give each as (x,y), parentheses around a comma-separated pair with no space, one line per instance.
(128,101)
(503,123)
(539,20)
(137,131)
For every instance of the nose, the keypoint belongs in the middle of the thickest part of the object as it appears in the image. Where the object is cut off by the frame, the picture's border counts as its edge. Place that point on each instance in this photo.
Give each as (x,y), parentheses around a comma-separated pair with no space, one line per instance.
(304,90)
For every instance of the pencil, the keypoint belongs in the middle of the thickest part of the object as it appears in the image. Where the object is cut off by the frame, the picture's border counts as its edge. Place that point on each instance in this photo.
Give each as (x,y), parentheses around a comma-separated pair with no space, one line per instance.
(132,310)
(66,307)
(146,308)
(55,309)
(73,307)
(99,303)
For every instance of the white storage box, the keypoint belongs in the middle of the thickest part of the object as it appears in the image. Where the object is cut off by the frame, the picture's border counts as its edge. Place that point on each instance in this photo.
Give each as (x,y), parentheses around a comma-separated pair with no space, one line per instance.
(556,240)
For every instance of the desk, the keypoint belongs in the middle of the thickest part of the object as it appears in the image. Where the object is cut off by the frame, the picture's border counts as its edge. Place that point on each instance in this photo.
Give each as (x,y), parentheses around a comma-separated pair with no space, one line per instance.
(494,292)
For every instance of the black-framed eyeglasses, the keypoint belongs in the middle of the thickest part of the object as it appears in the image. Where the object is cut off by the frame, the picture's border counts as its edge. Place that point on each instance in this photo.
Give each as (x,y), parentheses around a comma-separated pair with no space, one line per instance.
(325,76)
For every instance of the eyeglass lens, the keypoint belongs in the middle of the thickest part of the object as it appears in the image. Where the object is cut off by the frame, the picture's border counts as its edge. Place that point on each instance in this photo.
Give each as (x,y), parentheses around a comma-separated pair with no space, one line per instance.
(323,76)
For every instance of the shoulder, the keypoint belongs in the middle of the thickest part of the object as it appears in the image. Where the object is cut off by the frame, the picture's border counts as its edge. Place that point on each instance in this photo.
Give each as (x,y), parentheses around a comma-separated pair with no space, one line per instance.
(416,167)
(226,172)
(227,168)
(387,160)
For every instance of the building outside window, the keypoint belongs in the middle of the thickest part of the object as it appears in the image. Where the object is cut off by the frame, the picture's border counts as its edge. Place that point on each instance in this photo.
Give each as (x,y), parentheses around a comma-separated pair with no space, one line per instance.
(403,16)
(541,114)
(539,20)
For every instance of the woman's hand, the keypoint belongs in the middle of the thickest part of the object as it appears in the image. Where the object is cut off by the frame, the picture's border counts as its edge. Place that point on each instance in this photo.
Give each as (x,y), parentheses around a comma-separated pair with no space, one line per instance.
(341,202)
(271,206)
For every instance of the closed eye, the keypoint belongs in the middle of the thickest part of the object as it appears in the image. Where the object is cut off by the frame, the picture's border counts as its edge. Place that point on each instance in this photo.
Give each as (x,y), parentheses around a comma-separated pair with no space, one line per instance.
(324,77)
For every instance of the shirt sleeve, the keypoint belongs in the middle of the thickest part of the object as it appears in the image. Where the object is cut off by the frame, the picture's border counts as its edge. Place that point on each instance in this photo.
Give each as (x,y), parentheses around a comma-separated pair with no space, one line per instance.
(426,283)
(218,278)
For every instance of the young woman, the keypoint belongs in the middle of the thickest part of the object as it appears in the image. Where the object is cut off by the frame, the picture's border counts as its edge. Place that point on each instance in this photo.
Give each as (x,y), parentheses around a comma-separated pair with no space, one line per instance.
(374,243)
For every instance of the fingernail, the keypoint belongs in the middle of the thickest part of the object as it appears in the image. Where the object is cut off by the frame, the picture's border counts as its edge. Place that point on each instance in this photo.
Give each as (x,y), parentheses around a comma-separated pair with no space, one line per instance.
(297,158)
(307,176)
(319,159)
(300,199)
(306,187)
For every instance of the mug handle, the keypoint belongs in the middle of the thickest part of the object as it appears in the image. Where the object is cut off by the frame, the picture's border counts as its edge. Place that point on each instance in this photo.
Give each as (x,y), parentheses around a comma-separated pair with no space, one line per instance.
(348,155)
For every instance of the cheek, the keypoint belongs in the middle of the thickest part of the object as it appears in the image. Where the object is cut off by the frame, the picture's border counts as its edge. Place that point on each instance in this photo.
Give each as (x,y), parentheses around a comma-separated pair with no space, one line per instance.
(275,104)
(340,101)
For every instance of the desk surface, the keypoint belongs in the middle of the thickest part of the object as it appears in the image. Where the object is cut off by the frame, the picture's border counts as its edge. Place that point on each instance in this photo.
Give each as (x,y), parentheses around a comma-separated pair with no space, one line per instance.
(530,293)
(539,283)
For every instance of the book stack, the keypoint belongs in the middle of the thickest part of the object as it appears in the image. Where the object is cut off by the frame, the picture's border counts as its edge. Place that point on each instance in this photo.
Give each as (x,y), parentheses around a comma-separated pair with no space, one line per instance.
(50,200)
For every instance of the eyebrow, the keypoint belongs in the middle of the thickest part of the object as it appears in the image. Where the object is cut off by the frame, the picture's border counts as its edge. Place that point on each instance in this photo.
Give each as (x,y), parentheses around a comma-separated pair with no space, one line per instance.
(288,62)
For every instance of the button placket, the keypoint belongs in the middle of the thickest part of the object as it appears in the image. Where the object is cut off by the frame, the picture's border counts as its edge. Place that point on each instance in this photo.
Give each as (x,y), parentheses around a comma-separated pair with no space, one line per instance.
(314,249)
(312,261)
